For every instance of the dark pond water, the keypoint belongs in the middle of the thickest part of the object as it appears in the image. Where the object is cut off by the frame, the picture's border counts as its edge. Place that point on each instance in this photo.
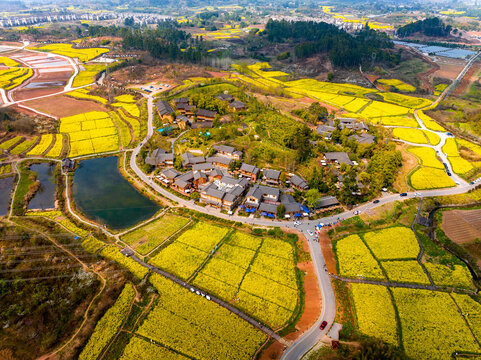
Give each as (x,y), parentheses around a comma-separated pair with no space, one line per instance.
(44,198)
(102,194)
(6,185)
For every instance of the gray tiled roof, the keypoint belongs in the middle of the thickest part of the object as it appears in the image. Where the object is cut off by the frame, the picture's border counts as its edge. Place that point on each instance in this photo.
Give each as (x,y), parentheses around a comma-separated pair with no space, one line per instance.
(164,108)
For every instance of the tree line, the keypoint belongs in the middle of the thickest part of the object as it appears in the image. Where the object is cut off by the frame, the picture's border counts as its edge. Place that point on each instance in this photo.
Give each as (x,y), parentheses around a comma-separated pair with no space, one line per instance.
(429,27)
(344,50)
(166,42)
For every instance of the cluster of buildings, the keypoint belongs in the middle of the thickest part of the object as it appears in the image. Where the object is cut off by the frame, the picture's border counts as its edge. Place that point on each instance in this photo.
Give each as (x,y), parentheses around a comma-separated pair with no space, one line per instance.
(190,115)
(32,20)
(359,128)
(138,18)
(222,186)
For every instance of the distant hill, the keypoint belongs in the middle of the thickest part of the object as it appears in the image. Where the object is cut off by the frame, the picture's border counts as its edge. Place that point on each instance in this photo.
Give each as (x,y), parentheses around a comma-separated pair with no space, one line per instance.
(429,27)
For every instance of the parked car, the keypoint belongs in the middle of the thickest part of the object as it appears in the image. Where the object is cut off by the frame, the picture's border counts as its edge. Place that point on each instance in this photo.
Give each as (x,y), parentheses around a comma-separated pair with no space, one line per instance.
(310,232)
(403,194)
(323,325)
(375,202)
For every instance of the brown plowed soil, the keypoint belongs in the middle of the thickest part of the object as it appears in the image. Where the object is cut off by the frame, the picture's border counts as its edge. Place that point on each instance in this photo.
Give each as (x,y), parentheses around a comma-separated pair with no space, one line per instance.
(61,106)
(449,70)
(24,94)
(462,226)
(468,79)
(328,252)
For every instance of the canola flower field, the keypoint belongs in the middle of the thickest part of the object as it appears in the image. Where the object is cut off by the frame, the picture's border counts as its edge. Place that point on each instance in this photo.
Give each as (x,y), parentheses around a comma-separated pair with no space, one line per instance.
(257,275)
(90,133)
(69,51)
(423,314)
(204,330)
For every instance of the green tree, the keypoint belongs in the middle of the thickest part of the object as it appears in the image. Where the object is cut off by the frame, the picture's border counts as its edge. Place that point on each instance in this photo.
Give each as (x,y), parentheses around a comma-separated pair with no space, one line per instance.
(281,211)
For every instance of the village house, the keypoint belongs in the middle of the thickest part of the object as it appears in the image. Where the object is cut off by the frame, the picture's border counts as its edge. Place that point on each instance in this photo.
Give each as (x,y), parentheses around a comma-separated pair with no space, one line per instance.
(67,165)
(352,124)
(225,193)
(272,177)
(249,171)
(184,183)
(225,97)
(188,160)
(299,183)
(364,138)
(338,158)
(237,106)
(159,157)
(200,178)
(178,101)
(186,109)
(205,115)
(259,193)
(325,131)
(165,111)
(183,122)
(326,203)
(228,151)
(205,168)
(167,176)
(292,207)
(219,161)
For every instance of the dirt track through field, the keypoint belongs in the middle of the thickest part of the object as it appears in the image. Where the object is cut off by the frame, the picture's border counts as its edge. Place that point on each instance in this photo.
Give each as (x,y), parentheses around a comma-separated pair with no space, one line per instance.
(462,226)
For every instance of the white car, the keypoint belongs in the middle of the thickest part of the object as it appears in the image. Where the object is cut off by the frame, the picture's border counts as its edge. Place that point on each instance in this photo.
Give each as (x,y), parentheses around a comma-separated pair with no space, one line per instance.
(310,232)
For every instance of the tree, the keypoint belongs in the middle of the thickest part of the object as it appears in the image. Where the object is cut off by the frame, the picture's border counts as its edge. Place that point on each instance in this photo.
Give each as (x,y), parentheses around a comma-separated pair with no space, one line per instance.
(312,196)
(195,195)
(281,211)
(330,76)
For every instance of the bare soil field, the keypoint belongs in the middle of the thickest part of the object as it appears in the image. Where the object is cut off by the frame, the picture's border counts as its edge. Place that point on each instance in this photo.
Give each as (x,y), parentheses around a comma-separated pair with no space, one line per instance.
(449,69)
(465,84)
(408,164)
(462,226)
(61,106)
(25,93)
(170,74)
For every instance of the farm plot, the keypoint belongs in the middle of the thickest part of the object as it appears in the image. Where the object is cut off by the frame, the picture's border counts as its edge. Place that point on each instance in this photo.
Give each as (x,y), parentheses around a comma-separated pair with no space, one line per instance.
(84,93)
(125,133)
(405,271)
(405,100)
(56,149)
(429,122)
(190,249)
(90,133)
(355,259)
(140,349)
(416,136)
(258,276)
(87,76)
(430,178)
(198,328)
(427,157)
(61,219)
(42,146)
(392,243)
(378,109)
(130,108)
(456,275)
(471,310)
(375,312)
(11,78)
(462,226)
(148,237)
(460,165)
(398,84)
(395,121)
(7,144)
(23,146)
(113,253)
(69,51)
(424,315)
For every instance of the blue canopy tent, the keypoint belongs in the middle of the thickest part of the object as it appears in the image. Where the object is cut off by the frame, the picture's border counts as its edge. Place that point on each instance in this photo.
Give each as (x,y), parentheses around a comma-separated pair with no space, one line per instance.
(297,215)
(270,215)
(264,213)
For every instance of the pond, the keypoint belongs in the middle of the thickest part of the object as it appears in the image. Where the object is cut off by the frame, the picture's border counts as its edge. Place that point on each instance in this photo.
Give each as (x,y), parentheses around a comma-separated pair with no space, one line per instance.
(6,185)
(44,198)
(103,195)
